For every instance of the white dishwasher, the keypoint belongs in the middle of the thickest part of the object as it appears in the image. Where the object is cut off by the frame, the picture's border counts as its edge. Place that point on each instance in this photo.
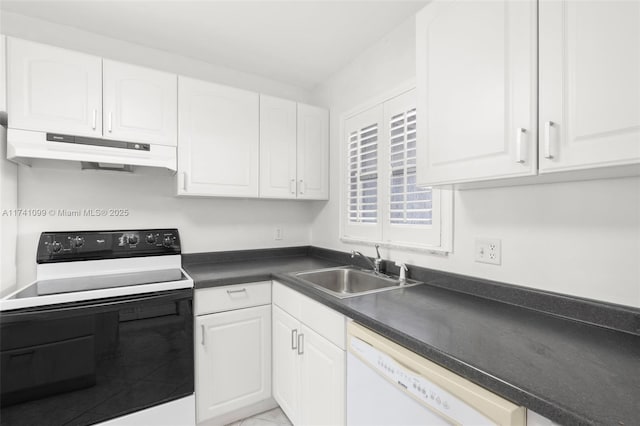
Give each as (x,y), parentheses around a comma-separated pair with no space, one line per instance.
(390,385)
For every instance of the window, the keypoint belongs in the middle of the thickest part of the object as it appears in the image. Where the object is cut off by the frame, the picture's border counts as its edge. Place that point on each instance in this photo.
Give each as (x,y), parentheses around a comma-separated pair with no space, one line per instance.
(383,202)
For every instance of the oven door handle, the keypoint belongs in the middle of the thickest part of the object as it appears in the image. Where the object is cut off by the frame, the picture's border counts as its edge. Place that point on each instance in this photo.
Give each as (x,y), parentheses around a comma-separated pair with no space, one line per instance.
(94,306)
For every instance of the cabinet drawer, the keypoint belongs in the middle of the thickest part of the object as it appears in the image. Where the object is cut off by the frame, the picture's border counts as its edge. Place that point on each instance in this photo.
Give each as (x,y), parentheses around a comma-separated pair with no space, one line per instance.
(227,298)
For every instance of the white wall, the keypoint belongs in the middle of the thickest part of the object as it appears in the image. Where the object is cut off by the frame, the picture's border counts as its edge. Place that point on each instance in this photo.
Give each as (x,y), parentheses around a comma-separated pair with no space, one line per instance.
(579,238)
(205,224)
(209,224)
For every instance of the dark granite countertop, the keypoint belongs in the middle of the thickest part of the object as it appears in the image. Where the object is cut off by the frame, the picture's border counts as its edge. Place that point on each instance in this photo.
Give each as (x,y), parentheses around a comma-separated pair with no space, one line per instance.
(253,270)
(570,371)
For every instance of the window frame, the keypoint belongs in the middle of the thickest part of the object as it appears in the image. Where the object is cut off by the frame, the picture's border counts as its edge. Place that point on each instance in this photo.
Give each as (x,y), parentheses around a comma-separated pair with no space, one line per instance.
(440,238)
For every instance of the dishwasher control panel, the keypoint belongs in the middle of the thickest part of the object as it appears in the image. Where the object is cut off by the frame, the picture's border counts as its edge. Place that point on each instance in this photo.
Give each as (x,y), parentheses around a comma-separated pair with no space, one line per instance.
(422,389)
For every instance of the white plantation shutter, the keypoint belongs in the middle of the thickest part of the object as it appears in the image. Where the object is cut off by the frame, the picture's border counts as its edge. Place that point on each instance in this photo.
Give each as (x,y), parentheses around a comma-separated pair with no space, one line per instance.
(363,175)
(383,203)
(408,204)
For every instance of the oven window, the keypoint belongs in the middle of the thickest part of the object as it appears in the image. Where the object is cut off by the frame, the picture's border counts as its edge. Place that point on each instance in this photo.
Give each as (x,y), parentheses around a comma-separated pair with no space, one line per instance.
(85,365)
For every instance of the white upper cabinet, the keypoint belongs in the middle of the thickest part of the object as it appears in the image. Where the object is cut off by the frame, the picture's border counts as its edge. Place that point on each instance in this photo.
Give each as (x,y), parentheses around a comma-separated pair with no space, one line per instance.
(476,86)
(277,148)
(61,91)
(3,70)
(589,84)
(218,129)
(140,104)
(313,153)
(53,90)
(294,150)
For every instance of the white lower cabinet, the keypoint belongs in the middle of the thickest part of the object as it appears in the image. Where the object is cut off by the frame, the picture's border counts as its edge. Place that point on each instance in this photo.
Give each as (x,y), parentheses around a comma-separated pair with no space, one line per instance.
(322,374)
(233,354)
(308,359)
(286,363)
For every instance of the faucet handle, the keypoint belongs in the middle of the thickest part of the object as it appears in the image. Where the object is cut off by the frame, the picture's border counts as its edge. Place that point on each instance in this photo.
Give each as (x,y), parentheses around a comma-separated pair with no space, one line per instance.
(402,266)
(378,251)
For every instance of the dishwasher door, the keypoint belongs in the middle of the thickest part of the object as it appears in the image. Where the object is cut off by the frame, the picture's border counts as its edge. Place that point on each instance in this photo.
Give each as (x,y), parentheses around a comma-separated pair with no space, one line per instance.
(372,400)
(390,385)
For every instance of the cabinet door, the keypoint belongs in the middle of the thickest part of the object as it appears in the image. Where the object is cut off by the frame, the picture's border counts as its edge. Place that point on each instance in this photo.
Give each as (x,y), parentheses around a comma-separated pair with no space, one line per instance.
(53,90)
(140,104)
(322,374)
(286,374)
(313,153)
(589,84)
(476,85)
(277,148)
(233,360)
(218,134)
(3,80)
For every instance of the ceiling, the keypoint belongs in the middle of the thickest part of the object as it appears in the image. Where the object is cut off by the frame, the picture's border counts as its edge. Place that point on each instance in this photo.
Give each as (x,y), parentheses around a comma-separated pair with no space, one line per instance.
(300,42)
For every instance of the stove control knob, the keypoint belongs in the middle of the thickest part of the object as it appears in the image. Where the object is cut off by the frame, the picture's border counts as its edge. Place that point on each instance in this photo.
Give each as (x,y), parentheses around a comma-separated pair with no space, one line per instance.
(56,247)
(167,241)
(151,239)
(133,239)
(77,242)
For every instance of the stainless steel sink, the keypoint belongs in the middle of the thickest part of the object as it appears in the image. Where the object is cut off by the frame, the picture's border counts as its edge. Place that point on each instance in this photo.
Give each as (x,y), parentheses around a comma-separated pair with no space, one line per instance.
(348,281)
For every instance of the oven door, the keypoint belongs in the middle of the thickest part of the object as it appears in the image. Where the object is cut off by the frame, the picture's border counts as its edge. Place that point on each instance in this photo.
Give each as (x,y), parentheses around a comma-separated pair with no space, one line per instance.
(85,362)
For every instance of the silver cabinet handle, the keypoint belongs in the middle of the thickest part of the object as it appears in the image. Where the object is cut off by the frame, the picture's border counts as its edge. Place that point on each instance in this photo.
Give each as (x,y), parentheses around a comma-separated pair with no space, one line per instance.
(203,334)
(110,122)
(520,151)
(292,186)
(300,344)
(301,186)
(95,119)
(242,290)
(184,181)
(547,140)
(294,339)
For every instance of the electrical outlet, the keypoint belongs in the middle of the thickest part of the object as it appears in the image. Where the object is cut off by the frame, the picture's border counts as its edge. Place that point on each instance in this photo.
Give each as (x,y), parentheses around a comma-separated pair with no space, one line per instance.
(278,234)
(488,250)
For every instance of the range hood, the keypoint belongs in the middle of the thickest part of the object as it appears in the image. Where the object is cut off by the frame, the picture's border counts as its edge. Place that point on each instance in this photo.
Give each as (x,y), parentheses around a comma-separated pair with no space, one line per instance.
(25,145)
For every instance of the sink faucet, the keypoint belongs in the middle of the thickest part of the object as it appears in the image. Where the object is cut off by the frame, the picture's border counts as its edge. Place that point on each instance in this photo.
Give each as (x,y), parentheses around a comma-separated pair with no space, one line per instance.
(375,265)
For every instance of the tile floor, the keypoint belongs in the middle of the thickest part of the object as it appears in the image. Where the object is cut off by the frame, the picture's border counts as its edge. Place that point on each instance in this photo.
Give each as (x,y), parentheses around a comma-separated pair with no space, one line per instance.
(273,417)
